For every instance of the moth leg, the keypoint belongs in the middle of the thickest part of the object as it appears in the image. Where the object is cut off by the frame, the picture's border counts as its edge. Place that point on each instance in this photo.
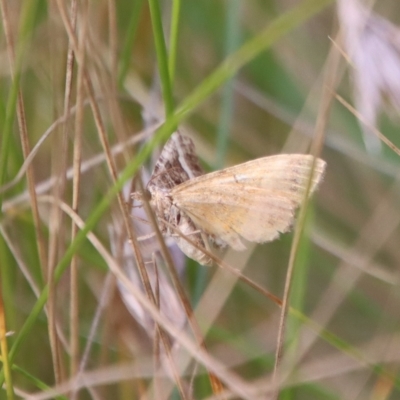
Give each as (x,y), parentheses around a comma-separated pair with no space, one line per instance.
(186,234)
(205,241)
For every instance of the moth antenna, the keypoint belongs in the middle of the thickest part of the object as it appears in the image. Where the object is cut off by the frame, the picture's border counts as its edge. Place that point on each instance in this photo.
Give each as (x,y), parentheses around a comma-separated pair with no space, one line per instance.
(146,237)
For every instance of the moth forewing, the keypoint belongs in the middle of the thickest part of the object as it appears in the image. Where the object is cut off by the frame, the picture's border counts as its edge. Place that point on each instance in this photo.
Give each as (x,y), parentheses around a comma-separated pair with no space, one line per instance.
(255,201)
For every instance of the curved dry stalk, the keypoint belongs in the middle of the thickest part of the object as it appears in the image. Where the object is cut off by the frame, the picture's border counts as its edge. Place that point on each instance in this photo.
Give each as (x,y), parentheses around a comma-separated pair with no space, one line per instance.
(77,158)
(20,262)
(104,301)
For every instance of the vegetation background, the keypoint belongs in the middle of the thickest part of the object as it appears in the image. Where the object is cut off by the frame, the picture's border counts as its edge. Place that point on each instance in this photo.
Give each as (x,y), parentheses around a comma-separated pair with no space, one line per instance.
(90,82)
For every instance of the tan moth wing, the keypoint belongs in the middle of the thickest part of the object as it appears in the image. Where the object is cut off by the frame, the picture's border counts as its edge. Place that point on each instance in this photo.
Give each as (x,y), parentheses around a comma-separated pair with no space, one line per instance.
(254,201)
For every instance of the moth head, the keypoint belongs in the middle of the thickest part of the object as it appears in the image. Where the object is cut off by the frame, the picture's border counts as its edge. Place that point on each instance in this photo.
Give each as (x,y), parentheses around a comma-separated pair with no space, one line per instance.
(160,201)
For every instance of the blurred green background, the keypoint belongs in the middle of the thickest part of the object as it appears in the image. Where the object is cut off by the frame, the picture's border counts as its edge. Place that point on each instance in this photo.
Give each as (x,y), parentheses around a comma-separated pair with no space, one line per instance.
(243,79)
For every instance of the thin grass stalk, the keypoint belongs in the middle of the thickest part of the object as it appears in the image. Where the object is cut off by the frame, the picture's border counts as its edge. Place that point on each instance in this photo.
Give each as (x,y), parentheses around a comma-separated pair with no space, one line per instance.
(173,39)
(6,115)
(106,332)
(51,326)
(15,104)
(77,156)
(157,338)
(35,382)
(7,131)
(4,347)
(110,86)
(51,306)
(297,301)
(376,131)
(15,60)
(329,83)
(108,288)
(288,284)
(56,237)
(232,40)
(11,101)
(162,57)
(113,37)
(126,53)
(19,260)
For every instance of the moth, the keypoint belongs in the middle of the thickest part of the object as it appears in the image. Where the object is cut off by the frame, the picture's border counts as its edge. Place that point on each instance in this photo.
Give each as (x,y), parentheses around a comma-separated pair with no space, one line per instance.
(254,201)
